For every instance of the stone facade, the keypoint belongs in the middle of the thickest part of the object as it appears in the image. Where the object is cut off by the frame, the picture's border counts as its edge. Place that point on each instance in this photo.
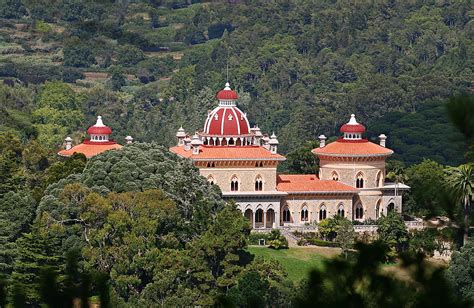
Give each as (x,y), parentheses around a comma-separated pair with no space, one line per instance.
(350,182)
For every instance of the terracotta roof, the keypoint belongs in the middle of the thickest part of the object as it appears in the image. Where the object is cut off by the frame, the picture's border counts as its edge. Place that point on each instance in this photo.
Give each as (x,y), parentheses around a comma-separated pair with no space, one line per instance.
(354,148)
(310,183)
(228,153)
(90,149)
(227,121)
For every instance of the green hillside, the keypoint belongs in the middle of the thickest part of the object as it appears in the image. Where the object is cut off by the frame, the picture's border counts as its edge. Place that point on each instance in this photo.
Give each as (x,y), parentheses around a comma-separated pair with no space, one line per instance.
(301,67)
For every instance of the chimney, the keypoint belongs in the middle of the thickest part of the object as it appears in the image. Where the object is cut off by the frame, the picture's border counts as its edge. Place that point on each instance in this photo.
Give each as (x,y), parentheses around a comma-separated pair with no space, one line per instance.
(195,144)
(187,143)
(382,138)
(322,141)
(68,143)
(129,139)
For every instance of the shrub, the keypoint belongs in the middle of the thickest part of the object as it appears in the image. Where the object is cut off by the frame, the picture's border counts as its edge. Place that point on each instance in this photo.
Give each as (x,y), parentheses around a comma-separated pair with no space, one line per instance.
(255,237)
(323,243)
(276,240)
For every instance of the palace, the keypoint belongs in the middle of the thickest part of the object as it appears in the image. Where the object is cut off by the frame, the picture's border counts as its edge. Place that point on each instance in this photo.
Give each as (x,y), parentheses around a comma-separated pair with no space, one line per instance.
(243,162)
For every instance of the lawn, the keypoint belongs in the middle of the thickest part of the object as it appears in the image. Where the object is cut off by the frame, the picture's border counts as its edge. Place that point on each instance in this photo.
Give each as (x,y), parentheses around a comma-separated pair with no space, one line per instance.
(297,261)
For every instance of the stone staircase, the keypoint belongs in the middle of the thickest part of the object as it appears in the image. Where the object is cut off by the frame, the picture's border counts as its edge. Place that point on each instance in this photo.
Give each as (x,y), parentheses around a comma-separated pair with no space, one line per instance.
(292,240)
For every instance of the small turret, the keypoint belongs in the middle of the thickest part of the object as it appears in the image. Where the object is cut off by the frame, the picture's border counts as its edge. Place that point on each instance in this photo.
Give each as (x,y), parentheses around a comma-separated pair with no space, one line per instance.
(187,143)
(257,136)
(383,140)
(273,142)
(68,143)
(129,139)
(322,141)
(181,135)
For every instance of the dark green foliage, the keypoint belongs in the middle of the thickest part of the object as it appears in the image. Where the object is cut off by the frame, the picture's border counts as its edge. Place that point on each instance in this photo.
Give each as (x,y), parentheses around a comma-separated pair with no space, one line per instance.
(461,271)
(426,181)
(393,232)
(363,284)
(12,9)
(408,134)
(77,53)
(426,241)
(276,240)
(301,160)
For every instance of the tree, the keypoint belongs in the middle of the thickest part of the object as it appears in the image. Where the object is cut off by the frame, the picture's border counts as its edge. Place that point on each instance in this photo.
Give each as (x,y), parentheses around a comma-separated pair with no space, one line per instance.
(345,235)
(77,53)
(12,9)
(461,271)
(302,160)
(460,182)
(426,180)
(393,231)
(362,283)
(328,227)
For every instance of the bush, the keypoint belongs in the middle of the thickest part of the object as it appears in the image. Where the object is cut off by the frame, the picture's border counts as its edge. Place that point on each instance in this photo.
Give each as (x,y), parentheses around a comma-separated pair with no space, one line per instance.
(276,240)
(323,243)
(255,237)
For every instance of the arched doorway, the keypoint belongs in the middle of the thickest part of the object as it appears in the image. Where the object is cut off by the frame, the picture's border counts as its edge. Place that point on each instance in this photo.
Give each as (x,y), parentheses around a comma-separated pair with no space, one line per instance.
(390,207)
(286,215)
(259,218)
(270,218)
(249,215)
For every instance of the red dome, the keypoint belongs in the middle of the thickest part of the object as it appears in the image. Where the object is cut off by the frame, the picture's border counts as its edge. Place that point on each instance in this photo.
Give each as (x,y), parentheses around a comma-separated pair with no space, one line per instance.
(227,93)
(228,121)
(352,128)
(99,130)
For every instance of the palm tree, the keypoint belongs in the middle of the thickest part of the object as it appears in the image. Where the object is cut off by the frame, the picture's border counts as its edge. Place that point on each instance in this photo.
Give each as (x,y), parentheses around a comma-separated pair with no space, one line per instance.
(460,181)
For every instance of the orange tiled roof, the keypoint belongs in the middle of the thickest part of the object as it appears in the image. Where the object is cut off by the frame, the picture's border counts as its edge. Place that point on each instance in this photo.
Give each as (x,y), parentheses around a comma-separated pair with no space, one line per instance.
(343,147)
(310,183)
(89,149)
(227,153)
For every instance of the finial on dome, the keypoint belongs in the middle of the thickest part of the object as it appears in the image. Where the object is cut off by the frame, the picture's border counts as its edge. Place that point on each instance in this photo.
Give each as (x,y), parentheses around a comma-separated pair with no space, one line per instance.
(227,86)
(353,120)
(99,121)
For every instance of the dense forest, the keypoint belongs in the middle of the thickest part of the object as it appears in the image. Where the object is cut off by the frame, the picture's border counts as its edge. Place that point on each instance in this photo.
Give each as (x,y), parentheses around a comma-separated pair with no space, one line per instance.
(301,67)
(145,220)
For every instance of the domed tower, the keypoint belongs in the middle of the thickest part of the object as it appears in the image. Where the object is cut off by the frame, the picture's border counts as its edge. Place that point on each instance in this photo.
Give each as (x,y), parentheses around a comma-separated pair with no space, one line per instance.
(98,142)
(227,125)
(357,162)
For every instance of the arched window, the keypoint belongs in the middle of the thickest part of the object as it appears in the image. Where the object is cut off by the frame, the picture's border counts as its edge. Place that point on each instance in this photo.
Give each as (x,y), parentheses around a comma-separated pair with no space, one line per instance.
(360,180)
(258,183)
(322,212)
(359,212)
(340,210)
(286,215)
(210,180)
(259,215)
(390,207)
(304,213)
(377,209)
(335,176)
(234,184)
(378,179)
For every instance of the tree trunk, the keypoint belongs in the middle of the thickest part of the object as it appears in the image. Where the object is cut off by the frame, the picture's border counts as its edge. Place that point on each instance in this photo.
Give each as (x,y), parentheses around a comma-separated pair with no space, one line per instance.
(467,211)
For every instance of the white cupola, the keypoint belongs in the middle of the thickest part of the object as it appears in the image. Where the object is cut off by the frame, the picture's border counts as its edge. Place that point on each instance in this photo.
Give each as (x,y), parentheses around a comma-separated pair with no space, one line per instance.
(273,143)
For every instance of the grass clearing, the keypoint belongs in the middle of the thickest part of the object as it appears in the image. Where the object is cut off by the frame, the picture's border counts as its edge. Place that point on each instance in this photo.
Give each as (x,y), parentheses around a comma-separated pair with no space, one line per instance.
(297,261)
